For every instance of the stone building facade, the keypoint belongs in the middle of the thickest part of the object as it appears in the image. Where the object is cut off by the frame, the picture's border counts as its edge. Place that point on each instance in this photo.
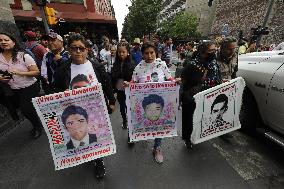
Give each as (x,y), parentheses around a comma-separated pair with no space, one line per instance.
(246,14)
(170,8)
(204,14)
(5,11)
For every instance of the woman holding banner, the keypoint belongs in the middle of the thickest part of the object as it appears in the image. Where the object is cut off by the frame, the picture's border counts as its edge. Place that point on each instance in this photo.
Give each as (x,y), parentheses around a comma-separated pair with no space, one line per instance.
(122,71)
(80,72)
(199,74)
(151,69)
(18,72)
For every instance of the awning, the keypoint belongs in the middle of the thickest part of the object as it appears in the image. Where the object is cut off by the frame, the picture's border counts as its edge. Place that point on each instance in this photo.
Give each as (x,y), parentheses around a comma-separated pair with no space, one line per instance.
(78,14)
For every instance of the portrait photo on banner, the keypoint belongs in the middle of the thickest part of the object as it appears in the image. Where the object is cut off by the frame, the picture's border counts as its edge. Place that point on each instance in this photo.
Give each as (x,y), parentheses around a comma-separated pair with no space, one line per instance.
(152,111)
(77,125)
(219,110)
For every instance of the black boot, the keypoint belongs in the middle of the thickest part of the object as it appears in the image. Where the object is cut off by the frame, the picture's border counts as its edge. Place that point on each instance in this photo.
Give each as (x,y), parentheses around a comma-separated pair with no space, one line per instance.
(124,125)
(100,170)
(35,133)
(188,144)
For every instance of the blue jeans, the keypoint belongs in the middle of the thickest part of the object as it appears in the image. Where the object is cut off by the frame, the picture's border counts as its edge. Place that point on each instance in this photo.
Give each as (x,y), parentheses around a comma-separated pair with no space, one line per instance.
(157,143)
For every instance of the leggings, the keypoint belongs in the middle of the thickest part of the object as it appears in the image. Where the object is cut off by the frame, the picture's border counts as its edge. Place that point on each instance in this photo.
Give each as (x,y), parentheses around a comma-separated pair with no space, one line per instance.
(121,98)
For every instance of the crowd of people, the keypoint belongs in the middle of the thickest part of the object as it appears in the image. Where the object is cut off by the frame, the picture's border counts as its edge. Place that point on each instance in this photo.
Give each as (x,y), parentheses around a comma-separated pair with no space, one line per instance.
(55,63)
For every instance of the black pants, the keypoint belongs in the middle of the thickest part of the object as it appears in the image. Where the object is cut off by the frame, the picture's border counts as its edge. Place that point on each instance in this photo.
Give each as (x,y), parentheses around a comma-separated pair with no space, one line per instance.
(121,98)
(188,107)
(7,99)
(24,100)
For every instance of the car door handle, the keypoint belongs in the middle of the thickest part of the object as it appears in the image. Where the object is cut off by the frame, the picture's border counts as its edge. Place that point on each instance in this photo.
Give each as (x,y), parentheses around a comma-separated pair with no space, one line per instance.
(261,85)
(275,88)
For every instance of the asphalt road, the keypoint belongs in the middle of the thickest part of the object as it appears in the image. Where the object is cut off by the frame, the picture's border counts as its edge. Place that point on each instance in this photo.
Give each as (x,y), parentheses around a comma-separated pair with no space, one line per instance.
(243,162)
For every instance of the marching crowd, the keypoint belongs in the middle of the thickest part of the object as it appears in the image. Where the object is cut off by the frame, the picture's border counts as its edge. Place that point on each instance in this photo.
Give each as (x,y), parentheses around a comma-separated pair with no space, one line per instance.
(55,64)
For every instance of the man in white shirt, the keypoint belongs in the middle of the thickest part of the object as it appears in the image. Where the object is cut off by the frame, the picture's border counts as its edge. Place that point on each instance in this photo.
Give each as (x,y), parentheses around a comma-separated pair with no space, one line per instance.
(105,55)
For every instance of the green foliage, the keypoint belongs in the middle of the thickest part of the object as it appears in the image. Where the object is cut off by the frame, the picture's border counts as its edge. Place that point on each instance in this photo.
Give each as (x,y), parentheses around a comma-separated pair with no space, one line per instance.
(184,25)
(141,19)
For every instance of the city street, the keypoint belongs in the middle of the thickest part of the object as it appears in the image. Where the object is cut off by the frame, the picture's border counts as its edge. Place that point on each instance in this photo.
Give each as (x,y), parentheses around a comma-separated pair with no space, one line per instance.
(220,64)
(242,162)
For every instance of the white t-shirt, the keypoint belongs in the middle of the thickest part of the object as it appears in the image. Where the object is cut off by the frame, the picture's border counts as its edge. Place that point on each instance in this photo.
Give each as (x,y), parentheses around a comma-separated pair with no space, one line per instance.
(106,57)
(151,72)
(83,72)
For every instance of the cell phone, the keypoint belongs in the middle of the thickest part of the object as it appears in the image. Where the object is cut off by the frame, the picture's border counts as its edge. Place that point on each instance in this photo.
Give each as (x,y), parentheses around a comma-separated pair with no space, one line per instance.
(6,74)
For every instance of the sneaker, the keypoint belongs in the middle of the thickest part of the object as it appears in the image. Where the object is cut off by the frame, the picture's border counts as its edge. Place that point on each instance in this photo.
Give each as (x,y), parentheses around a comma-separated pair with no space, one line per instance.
(100,170)
(188,144)
(124,125)
(130,144)
(158,156)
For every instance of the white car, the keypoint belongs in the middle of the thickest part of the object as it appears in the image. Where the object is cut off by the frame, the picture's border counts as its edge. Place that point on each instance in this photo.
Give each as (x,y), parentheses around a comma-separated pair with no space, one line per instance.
(263,99)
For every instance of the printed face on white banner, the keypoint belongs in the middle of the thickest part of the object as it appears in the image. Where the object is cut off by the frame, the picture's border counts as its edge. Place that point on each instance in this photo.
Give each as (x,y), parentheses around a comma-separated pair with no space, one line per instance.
(152,110)
(77,124)
(82,75)
(219,110)
(149,112)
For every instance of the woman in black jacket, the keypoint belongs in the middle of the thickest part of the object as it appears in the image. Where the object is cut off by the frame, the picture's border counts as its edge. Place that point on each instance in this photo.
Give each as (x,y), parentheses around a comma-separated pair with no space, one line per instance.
(122,71)
(200,73)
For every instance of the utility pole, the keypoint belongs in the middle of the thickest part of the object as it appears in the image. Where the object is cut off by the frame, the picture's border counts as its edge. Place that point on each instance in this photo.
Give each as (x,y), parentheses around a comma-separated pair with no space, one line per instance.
(265,20)
(46,27)
(41,4)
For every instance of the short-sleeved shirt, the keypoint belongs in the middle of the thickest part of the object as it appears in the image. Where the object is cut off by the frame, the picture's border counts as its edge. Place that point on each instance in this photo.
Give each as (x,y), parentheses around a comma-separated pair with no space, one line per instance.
(156,71)
(21,64)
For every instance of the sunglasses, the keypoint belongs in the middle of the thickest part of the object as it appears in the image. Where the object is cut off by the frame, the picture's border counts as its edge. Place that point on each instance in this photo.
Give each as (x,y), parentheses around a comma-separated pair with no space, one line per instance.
(76,49)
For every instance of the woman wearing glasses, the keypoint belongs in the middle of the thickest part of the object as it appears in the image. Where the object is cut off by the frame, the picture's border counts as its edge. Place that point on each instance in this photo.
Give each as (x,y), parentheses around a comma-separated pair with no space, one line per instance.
(18,72)
(80,72)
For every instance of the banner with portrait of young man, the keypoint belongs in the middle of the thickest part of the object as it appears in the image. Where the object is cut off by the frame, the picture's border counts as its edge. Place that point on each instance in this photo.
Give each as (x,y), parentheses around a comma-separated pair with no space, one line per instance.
(77,125)
(217,110)
(152,110)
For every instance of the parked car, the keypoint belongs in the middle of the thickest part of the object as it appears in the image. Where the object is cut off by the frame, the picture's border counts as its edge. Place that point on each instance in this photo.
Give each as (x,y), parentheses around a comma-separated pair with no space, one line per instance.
(263,98)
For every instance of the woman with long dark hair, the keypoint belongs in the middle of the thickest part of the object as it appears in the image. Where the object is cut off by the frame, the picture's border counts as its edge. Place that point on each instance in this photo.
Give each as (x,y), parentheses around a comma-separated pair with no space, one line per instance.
(122,71)
(200,73)
(19,71)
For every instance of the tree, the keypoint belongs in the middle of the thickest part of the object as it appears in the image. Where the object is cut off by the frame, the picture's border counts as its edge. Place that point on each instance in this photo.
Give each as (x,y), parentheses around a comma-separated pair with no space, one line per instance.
(184,25)
(142,18)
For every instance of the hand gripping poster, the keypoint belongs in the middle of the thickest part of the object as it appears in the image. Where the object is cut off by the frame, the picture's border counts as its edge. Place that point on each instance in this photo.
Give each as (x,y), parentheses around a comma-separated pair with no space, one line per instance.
(77,125)
(217,110)
(152,110)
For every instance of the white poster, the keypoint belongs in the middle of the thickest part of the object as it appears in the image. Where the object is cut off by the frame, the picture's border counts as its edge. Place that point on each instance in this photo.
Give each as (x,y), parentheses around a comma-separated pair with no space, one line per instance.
(152,110)
(77,125)
(217,110)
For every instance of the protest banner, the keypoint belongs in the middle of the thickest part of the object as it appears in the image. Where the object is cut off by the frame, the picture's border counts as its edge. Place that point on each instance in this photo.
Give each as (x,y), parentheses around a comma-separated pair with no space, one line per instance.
(152,110)
(77,125)
(217,111)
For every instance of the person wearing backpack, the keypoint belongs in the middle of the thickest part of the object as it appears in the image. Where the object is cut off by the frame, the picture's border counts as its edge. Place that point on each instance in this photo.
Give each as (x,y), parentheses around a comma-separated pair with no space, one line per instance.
(56,57)
(33,48)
